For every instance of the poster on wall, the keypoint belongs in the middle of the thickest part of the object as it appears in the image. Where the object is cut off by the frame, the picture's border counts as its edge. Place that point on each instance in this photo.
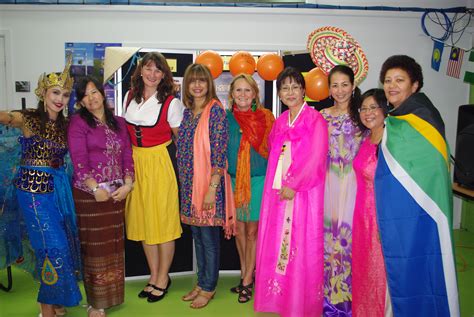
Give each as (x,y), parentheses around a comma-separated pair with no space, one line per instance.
(88,59)
(178,83)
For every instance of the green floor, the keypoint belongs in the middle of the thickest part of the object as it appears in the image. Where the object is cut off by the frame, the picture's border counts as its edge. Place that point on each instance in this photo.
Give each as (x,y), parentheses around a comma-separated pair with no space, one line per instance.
(20,301)
(464,241)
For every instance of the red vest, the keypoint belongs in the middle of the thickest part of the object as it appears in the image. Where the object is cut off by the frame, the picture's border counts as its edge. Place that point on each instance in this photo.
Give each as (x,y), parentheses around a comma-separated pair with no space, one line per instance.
(148,136)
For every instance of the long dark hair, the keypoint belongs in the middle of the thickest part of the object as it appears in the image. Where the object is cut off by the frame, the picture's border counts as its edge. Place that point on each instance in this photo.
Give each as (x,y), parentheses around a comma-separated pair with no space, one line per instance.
(355,101)
(61,121)
(81,86)
(165,87)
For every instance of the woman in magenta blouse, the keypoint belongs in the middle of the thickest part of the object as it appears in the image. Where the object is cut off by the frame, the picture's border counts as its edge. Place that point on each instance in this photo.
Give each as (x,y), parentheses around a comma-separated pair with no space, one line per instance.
(103,176)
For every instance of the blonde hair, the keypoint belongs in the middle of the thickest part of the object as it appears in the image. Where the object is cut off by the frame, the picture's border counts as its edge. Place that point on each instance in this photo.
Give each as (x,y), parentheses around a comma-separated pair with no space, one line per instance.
(253,84)
(197,72)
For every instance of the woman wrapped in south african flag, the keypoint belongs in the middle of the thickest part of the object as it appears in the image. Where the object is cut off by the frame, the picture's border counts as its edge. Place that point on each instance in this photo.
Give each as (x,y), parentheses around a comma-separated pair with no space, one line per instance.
(414,197)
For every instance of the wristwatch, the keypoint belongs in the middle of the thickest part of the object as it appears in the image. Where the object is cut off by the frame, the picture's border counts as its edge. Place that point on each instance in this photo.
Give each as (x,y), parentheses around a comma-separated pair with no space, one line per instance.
(214,185)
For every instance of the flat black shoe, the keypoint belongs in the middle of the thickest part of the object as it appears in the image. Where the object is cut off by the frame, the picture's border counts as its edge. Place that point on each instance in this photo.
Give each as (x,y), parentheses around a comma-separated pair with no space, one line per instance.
(154,298)
(143,293)
(236,289)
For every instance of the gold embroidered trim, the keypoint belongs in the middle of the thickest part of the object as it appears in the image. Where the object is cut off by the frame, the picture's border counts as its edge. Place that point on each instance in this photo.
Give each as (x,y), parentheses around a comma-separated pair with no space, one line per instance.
(33,181)
(50,132)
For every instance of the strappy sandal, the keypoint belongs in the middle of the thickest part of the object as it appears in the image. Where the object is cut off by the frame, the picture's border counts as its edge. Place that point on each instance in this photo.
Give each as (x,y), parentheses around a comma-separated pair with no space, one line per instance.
(94,312)
(204,297)
(245,293)
(236,289)
(192,294)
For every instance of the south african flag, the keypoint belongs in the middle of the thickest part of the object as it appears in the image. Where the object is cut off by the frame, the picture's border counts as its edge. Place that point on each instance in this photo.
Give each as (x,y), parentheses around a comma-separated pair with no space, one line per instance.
(414,211)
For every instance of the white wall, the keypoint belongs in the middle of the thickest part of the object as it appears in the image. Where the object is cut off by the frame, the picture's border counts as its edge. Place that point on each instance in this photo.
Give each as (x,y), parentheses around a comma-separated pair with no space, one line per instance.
(38,33)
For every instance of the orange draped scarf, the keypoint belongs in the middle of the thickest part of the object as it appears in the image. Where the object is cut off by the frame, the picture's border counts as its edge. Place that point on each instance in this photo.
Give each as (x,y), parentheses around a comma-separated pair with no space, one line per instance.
(202,174)
(255,126)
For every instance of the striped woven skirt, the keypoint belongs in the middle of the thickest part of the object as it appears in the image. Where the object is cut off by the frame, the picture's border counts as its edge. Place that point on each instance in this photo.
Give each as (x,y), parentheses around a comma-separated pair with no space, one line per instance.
(101,232)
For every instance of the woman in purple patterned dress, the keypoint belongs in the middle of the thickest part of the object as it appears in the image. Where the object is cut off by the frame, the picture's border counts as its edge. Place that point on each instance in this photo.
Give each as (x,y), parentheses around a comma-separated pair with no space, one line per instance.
(339,199)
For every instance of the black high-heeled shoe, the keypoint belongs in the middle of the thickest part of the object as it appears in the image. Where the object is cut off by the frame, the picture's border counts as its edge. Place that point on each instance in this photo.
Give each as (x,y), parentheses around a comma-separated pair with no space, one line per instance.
(143,293)
(245,293)
(236,289)
(154,298)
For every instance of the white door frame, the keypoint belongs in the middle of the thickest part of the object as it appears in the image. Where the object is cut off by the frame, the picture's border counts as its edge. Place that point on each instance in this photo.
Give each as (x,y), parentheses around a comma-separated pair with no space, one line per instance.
(5,34)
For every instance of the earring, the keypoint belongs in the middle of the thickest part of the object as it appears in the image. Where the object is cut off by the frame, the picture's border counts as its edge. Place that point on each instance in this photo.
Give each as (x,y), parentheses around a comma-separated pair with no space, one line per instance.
(65,111)
(254,105)
(44,106)
(353,93)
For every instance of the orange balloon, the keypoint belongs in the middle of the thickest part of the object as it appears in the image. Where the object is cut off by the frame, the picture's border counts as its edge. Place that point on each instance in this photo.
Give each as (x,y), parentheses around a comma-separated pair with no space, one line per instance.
(213,61)
(317,87)
(269,66)
(242,62)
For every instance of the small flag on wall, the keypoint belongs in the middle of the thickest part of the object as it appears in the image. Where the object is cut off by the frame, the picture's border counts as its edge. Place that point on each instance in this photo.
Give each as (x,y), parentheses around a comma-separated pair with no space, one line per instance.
(469,76)
(455,62)
(437,54)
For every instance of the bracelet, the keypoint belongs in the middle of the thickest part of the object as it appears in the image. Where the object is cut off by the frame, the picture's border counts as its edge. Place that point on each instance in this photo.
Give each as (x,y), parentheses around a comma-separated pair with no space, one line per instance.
(217,171)
(214,185)
(95,188)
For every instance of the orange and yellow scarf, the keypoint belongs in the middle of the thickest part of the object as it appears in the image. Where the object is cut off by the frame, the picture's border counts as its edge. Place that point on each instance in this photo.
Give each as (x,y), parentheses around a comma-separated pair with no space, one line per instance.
(255,126)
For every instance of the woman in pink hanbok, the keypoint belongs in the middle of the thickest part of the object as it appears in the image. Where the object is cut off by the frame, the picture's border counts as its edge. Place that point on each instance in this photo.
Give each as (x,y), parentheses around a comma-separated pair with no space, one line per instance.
(369,282)
(289,267)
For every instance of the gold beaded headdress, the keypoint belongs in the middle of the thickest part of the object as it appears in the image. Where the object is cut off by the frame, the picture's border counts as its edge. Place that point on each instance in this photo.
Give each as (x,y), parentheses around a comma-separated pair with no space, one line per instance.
(64,80)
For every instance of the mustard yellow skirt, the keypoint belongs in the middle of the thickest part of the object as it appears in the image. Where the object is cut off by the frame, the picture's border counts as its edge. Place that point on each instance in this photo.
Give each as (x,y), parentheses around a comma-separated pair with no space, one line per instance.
(152,208)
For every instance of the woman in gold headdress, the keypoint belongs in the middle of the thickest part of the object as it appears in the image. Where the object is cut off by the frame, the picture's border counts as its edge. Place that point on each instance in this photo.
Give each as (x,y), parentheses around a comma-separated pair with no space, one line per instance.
(44,192)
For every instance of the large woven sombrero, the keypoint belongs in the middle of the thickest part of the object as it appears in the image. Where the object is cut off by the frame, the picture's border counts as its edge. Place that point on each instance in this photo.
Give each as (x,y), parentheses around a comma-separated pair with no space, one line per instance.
(330,46)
